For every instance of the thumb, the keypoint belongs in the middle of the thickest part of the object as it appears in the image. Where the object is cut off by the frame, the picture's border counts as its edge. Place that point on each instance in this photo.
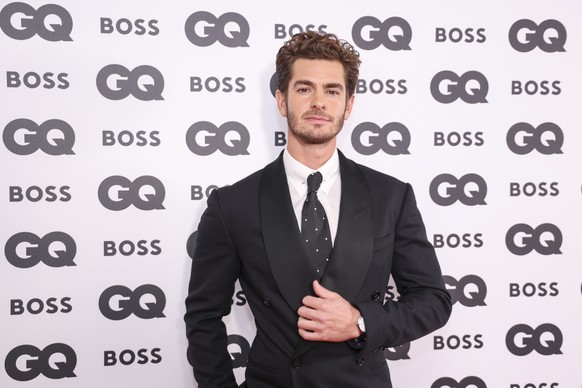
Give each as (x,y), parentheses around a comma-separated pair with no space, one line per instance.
(321,291)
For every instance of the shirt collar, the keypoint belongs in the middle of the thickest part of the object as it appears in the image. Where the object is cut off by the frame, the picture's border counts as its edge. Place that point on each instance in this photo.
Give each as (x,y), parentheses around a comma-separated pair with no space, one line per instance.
(297,172)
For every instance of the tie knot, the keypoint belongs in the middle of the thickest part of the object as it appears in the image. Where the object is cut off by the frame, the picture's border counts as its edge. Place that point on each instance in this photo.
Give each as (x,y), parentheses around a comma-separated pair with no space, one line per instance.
(314,181)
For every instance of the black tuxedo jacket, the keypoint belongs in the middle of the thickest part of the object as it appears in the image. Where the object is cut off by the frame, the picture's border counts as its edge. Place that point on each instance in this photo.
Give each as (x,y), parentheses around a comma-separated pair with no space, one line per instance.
(249,232)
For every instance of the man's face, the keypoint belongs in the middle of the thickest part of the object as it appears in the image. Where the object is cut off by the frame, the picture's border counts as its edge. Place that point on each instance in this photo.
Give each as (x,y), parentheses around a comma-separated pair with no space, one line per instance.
(316,103)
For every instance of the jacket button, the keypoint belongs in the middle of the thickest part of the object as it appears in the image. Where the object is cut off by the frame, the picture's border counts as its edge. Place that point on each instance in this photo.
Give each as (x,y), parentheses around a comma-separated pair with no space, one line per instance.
(296,364)
(375,295)
(359,362)
(266,301)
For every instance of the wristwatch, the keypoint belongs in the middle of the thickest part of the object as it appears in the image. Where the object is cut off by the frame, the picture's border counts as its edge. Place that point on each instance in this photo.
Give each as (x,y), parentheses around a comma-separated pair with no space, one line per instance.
(361,325)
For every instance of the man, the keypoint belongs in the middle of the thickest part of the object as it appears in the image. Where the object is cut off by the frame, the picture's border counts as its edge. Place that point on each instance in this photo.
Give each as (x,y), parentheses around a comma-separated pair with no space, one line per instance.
(320,324)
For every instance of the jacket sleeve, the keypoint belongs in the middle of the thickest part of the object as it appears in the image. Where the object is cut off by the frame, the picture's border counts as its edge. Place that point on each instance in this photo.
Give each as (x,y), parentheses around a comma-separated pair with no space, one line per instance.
(215,269)
(424,304)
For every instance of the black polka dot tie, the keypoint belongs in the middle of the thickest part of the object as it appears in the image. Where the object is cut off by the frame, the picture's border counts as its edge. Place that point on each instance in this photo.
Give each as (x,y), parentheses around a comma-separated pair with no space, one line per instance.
(314,226)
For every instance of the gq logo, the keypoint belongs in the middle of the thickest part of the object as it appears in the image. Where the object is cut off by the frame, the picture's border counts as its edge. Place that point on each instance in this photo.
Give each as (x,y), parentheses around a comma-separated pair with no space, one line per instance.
(25,137)
(525,35)
(231,138)
(546,239)
(116,82)
(20,21)
(471,87)
(55,249)
(126,302)
(396,353)
(467,382)
(26,362)
(393,33)
(470,290)
(522,339)
(240,356)
(118,193)
(470,190)
(393,138)
(546,138)
(204,29)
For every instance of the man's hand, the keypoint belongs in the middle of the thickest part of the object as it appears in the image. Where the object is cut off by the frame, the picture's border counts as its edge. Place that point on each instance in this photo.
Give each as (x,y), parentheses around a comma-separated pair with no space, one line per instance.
(327,317)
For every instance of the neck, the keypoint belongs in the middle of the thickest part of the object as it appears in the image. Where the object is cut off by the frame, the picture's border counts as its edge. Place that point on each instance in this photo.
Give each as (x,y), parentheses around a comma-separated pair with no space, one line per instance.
(311,155)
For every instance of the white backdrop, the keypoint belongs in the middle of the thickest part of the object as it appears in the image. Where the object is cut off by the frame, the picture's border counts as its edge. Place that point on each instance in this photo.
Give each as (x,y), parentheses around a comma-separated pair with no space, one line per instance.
(118,118)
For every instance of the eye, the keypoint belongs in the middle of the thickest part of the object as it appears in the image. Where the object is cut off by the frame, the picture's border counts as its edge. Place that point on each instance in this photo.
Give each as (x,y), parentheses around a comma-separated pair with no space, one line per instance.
(303,90)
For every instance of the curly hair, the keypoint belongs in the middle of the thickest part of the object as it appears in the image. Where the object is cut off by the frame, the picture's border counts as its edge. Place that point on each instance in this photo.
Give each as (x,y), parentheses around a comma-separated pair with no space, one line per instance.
(313,45)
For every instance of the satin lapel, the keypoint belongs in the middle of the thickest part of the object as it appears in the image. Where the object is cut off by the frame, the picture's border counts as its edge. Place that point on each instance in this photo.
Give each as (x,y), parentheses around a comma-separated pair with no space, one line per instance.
(352,250)
(290,266)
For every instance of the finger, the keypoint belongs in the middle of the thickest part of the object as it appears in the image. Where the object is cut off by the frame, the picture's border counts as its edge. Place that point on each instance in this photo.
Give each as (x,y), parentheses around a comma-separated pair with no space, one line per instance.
(307,312)
(312,302)
(321,291)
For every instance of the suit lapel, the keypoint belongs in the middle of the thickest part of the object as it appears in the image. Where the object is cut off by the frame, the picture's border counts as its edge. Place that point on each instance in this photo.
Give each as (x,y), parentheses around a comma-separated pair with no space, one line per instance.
(352,250)
(291,268)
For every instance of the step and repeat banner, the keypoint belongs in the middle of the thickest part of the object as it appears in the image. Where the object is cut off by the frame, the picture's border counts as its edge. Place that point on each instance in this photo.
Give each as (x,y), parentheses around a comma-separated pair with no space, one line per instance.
(119,118)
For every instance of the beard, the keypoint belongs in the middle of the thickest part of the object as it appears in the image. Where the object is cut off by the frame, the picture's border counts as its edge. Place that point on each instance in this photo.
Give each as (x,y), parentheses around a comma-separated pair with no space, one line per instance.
(314,134)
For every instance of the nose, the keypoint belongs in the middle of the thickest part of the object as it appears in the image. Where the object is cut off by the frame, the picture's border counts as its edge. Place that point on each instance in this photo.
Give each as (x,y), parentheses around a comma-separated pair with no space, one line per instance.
(318,101)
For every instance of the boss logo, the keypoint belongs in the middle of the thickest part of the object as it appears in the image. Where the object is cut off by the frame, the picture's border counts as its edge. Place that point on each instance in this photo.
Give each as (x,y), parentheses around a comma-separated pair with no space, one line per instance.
(531,289)
(393,138)
(25,137)
(116,82)
(470,190)
(280,139)
(471,87)
(125,26)
(456,138)
(470,290)
(145,193)
(394,33)
(36,306)
(282,31)
(128,248)
(27,362)
(231,138)
(456,35)
(377,86)
(21,21)
(467,382)
(239,349)
(398,352)
(525,35)
(529,189)
(128,357)
(522,339)
(128,138)
(466,240)
(37,194)
(391,293)
(546,138)
(145,302)
(204,29)
(522,239)
(34,80)
(198,192)
(454,342)
(531,385)
(531,88)
(215,84)
(55,249)
(239,299)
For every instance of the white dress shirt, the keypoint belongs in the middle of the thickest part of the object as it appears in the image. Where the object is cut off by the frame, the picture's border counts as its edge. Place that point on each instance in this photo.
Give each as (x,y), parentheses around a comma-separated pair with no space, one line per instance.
(329,193)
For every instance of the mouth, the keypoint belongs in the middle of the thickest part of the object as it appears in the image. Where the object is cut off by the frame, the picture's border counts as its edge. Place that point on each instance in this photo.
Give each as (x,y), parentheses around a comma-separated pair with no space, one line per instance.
(316,117)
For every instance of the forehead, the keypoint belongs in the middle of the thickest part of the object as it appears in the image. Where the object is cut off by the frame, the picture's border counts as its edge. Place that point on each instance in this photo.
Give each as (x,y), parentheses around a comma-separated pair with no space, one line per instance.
(318,71)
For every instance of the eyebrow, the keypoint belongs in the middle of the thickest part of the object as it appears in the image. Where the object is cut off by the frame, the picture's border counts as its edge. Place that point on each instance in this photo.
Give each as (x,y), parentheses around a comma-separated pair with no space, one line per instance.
(331,85)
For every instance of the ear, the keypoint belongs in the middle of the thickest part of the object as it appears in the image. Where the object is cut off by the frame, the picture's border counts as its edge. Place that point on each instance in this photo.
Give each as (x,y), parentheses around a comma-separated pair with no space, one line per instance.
(349,106)
(281,103)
